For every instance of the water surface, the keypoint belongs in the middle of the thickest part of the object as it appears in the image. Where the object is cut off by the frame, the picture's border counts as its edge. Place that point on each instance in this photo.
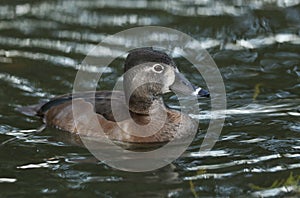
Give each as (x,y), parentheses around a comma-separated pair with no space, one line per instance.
(256,46)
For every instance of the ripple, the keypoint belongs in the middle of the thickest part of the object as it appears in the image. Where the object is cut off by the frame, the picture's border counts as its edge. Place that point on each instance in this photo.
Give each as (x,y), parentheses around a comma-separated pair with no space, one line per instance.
(295,127)
(234,163)
(215,153)
(266,41)
(46,164)
(210,175)
(5,60)
(23,84)
(7,180)
(274,191)
(188,8)
(276,168)
(62,46)
(292,113)
(252,108)
(28,25)
(84,49)
(79,36)
(254,140)
(61,60)
(292,155)
(230,137)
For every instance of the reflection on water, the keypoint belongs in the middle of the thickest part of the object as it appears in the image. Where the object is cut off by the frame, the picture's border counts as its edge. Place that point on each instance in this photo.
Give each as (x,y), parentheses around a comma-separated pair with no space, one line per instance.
(254,43)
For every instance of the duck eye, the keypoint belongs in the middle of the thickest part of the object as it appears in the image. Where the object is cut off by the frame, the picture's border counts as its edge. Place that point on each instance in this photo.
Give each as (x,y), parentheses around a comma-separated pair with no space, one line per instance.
(158,68)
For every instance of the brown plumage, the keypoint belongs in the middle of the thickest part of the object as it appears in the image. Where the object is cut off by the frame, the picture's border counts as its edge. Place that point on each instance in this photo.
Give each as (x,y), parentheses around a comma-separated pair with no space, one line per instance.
(157,74)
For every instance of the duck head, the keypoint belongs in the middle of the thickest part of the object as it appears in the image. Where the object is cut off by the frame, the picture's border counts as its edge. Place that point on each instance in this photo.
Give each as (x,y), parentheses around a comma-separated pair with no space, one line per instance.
(149,74)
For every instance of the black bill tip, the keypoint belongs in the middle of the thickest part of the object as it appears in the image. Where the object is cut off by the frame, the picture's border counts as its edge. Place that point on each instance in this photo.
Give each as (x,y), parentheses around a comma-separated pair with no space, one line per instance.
(201,93)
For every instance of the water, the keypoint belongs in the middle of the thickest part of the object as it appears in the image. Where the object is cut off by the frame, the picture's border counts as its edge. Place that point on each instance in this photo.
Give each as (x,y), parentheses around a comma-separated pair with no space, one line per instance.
(256,47)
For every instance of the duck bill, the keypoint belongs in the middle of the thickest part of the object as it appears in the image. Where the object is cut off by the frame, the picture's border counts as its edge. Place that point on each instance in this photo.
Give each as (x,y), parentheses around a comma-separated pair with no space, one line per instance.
(183,86)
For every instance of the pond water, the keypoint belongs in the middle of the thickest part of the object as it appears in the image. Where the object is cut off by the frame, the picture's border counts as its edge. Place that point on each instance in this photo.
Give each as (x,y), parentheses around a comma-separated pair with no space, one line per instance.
(256,45)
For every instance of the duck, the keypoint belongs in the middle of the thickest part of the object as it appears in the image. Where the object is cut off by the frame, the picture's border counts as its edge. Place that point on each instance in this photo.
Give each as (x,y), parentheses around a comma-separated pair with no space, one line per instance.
(136,115)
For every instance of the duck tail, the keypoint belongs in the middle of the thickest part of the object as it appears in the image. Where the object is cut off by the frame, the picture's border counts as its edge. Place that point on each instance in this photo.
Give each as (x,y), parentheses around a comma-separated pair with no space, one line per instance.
(31,110)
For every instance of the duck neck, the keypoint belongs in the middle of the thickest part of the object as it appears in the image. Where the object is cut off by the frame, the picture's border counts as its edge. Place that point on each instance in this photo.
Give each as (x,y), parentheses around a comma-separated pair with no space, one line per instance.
(146,105)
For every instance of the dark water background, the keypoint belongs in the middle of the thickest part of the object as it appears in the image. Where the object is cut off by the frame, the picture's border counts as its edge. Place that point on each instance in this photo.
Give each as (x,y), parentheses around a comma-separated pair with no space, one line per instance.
(256,45)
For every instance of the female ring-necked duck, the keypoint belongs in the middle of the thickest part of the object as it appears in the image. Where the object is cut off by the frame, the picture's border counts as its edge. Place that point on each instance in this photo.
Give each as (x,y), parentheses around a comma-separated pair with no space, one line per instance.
(145,64)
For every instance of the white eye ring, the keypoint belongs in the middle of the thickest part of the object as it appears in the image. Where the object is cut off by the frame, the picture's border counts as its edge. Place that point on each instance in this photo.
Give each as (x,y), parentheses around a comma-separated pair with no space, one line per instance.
(158,68)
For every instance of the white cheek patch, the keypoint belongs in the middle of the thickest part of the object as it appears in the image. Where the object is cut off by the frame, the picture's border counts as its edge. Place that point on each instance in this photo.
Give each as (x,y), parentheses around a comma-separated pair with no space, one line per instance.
(169,80)
(196,92)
